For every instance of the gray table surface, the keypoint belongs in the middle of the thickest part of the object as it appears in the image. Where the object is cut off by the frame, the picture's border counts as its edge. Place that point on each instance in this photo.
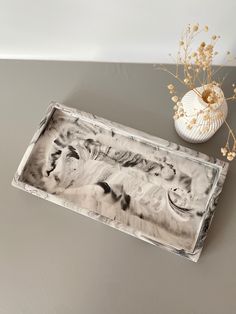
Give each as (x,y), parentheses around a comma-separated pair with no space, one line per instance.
(54,261)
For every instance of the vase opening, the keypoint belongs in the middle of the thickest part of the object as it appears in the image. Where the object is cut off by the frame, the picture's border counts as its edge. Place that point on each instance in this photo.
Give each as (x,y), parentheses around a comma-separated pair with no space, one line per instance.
(212,96)
(206,95)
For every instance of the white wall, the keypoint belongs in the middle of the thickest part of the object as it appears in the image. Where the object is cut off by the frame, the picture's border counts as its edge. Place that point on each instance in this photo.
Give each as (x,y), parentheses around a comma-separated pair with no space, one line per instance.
(110,30)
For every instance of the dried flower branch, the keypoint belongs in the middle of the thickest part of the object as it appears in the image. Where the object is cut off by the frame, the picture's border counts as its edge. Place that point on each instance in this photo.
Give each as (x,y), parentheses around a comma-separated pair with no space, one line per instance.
(197,70)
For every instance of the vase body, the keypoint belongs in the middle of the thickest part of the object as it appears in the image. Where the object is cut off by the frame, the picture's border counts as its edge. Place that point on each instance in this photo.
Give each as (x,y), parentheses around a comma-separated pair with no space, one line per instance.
(203,130)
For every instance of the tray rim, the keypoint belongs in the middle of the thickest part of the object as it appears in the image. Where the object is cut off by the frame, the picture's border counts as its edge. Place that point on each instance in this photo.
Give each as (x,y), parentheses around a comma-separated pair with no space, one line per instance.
(220,165)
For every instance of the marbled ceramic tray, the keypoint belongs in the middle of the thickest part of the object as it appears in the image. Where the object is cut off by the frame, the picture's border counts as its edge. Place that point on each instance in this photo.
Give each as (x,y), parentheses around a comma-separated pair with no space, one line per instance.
(155,190)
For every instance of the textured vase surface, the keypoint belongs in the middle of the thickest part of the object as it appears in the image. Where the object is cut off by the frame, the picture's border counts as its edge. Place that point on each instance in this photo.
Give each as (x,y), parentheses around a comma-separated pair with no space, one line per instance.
(202,131)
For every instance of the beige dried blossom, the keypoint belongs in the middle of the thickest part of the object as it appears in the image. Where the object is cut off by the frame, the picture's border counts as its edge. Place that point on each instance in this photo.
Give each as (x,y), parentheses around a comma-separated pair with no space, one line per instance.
(231,156)
(219,114)
(175,98)
(193,121)
(224,151)
(170,86)
(195,27)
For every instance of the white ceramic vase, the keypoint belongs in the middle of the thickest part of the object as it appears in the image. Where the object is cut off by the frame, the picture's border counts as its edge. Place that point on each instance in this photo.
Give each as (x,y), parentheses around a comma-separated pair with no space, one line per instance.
(202,131)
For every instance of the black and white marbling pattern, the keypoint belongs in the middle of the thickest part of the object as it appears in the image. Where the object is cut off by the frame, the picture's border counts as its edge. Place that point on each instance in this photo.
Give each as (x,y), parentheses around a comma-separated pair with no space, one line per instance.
(158,191)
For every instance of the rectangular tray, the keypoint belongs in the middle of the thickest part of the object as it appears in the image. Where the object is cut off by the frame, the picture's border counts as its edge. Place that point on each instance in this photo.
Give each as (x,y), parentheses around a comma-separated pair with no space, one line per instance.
(155,190)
